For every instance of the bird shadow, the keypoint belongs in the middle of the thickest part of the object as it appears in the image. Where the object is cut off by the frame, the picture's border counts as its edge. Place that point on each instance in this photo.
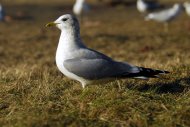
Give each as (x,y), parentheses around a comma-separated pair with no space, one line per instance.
(177,86)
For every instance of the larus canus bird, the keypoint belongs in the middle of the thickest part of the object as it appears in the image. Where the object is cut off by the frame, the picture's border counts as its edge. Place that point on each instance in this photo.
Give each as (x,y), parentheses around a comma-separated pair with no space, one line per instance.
(79,7)
(88,66)
(166,15)
(143,6)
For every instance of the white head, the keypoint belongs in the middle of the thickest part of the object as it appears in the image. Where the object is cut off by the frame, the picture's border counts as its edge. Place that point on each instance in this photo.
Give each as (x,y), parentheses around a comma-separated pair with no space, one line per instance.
(66,22)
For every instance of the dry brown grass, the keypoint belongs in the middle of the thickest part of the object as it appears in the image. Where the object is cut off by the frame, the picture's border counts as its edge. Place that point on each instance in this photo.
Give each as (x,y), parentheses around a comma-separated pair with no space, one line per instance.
(34,93)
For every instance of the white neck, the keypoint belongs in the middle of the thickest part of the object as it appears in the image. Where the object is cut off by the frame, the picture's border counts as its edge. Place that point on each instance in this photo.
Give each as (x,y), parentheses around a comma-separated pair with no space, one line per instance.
(69,42)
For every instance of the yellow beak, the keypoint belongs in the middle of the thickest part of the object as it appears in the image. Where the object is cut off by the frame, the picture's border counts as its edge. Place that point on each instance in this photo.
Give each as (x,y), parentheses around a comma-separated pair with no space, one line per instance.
(51,24)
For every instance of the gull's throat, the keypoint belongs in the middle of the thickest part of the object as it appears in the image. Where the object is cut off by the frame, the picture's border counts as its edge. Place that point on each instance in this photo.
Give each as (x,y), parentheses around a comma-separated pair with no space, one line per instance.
(69,42)
(70,39)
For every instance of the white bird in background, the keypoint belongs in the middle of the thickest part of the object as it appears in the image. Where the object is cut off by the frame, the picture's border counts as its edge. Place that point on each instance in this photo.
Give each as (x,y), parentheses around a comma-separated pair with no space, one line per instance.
(186,5)
(143,6)
(166,15)
(2,13)
(88,66)
(79,7)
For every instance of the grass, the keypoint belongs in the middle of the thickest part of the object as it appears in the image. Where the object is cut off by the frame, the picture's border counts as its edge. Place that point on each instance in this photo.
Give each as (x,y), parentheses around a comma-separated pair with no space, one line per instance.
(34,93)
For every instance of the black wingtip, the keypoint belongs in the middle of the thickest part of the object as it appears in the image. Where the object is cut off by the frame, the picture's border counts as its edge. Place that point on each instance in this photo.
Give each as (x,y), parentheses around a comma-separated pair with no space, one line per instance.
(160,71)
(165,72)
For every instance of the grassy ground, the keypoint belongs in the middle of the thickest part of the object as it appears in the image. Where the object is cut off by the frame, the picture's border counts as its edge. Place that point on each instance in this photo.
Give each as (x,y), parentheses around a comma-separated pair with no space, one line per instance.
(34,93)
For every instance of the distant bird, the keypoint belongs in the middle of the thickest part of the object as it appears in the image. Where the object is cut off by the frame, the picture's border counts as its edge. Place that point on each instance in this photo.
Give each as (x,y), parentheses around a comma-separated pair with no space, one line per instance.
(166,15)
(88,66)
(2,13)
(186,5)
(143,6)
(79,7)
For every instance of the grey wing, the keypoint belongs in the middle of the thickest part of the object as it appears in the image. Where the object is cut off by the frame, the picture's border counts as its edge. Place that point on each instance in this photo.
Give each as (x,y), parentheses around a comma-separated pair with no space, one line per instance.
(94,69)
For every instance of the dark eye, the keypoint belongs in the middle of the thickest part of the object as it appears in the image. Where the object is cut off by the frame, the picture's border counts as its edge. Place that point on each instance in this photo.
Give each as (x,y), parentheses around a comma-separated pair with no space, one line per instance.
(64,19)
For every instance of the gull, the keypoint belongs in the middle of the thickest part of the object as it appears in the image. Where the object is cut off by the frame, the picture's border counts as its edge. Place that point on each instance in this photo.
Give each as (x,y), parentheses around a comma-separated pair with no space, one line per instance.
(86,65)
(79,7)
(186,5)
(143,6)
(2,13)
(166,15)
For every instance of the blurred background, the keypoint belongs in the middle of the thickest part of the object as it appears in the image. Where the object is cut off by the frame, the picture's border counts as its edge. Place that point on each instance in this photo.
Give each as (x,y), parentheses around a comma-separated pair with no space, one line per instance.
(107,24)
(34,93)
